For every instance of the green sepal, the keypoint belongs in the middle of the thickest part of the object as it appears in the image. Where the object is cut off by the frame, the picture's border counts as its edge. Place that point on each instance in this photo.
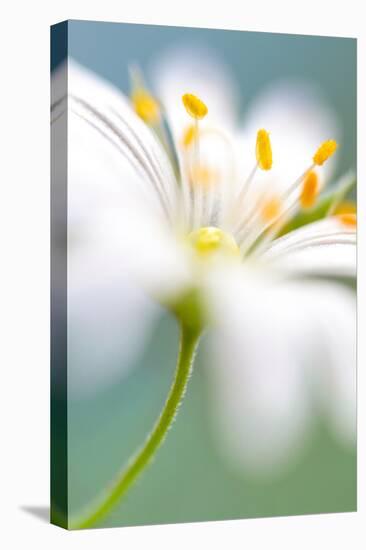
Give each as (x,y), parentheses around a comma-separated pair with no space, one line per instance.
(189,310)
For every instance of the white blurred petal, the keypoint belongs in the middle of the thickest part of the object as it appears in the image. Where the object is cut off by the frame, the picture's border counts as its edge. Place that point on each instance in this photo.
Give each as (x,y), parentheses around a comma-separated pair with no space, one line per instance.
(200,71)
(265,359)
(109,321)
(111,200)
(336,347)
(327,247)
(149,251)
(117,231)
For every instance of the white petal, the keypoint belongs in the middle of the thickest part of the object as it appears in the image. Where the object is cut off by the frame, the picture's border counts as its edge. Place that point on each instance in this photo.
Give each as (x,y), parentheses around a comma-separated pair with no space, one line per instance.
(120,134)
(111,201)
(109,322)
(327,247)
(259,402)
(335,347)
(275,344)
(148,251)
(118,234)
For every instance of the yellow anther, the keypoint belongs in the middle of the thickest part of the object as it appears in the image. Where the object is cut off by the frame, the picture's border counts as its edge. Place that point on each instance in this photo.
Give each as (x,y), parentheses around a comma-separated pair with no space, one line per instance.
(146,106)
(346,207)
(194,106)
(271,209)
(203,175)
(189,136)
(209,241)
(350,220)
(310,190)
(264,150)
(325,151)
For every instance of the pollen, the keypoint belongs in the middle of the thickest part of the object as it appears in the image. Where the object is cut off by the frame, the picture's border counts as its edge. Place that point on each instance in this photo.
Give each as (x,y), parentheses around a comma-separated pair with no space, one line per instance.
(209,241)
(264,150)
(194,106)
(146,106)
(190,134)
(325,151)
(348,219)
(310,190)
(271,209)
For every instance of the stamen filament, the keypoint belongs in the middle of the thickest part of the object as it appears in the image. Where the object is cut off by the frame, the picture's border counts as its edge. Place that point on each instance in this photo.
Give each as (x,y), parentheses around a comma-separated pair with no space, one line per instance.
(197,109)
(197,188)
(247,183)
(271,232)
(298,181)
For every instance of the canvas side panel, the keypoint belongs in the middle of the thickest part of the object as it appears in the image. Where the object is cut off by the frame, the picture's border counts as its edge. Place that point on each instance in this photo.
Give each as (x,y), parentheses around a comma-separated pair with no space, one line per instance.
(59,462)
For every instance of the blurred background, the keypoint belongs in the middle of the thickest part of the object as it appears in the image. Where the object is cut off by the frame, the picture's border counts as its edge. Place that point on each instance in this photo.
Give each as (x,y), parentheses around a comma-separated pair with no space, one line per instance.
(189,480)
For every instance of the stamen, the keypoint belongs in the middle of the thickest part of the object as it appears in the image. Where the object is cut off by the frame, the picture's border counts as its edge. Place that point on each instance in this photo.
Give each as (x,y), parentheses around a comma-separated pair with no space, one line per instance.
(275,212)
(271,209)
(204,176)
(146,106)
(264,150)
(310,190)
(348,219)
(264,161)
(346,207)
(189,136)
(194,106)
(322,154)
(197,110)
(325,151)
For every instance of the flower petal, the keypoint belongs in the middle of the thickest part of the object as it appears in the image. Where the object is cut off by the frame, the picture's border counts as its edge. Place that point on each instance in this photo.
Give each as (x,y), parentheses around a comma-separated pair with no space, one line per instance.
(109,322)
(335,346)
(112,202)
(147,250)
(120,195)
(120,134)
(327,247)
(259,407)
(265,362)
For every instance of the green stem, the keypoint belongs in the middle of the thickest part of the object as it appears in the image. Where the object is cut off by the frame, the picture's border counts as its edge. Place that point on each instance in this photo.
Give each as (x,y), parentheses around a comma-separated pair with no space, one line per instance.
(120,486)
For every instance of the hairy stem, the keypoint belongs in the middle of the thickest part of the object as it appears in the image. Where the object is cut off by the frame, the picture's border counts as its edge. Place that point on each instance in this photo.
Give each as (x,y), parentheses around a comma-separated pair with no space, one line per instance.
(120,486)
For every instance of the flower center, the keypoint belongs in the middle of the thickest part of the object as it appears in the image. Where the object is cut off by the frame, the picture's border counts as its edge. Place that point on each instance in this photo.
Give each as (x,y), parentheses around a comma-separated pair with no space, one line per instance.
(210,241)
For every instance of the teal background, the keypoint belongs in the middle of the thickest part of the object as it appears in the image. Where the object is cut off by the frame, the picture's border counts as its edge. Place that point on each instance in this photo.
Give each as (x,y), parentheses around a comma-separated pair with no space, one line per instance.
(189,481)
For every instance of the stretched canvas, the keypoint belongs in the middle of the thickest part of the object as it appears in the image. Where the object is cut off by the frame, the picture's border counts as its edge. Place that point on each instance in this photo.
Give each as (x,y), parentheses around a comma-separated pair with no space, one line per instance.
(203,274)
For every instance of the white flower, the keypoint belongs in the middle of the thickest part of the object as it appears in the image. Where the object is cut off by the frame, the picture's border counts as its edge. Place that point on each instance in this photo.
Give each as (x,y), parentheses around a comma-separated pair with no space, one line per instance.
(281,331)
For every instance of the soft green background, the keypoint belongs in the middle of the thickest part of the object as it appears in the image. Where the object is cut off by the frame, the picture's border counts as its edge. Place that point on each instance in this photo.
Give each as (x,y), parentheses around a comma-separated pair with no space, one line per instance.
(189,481)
